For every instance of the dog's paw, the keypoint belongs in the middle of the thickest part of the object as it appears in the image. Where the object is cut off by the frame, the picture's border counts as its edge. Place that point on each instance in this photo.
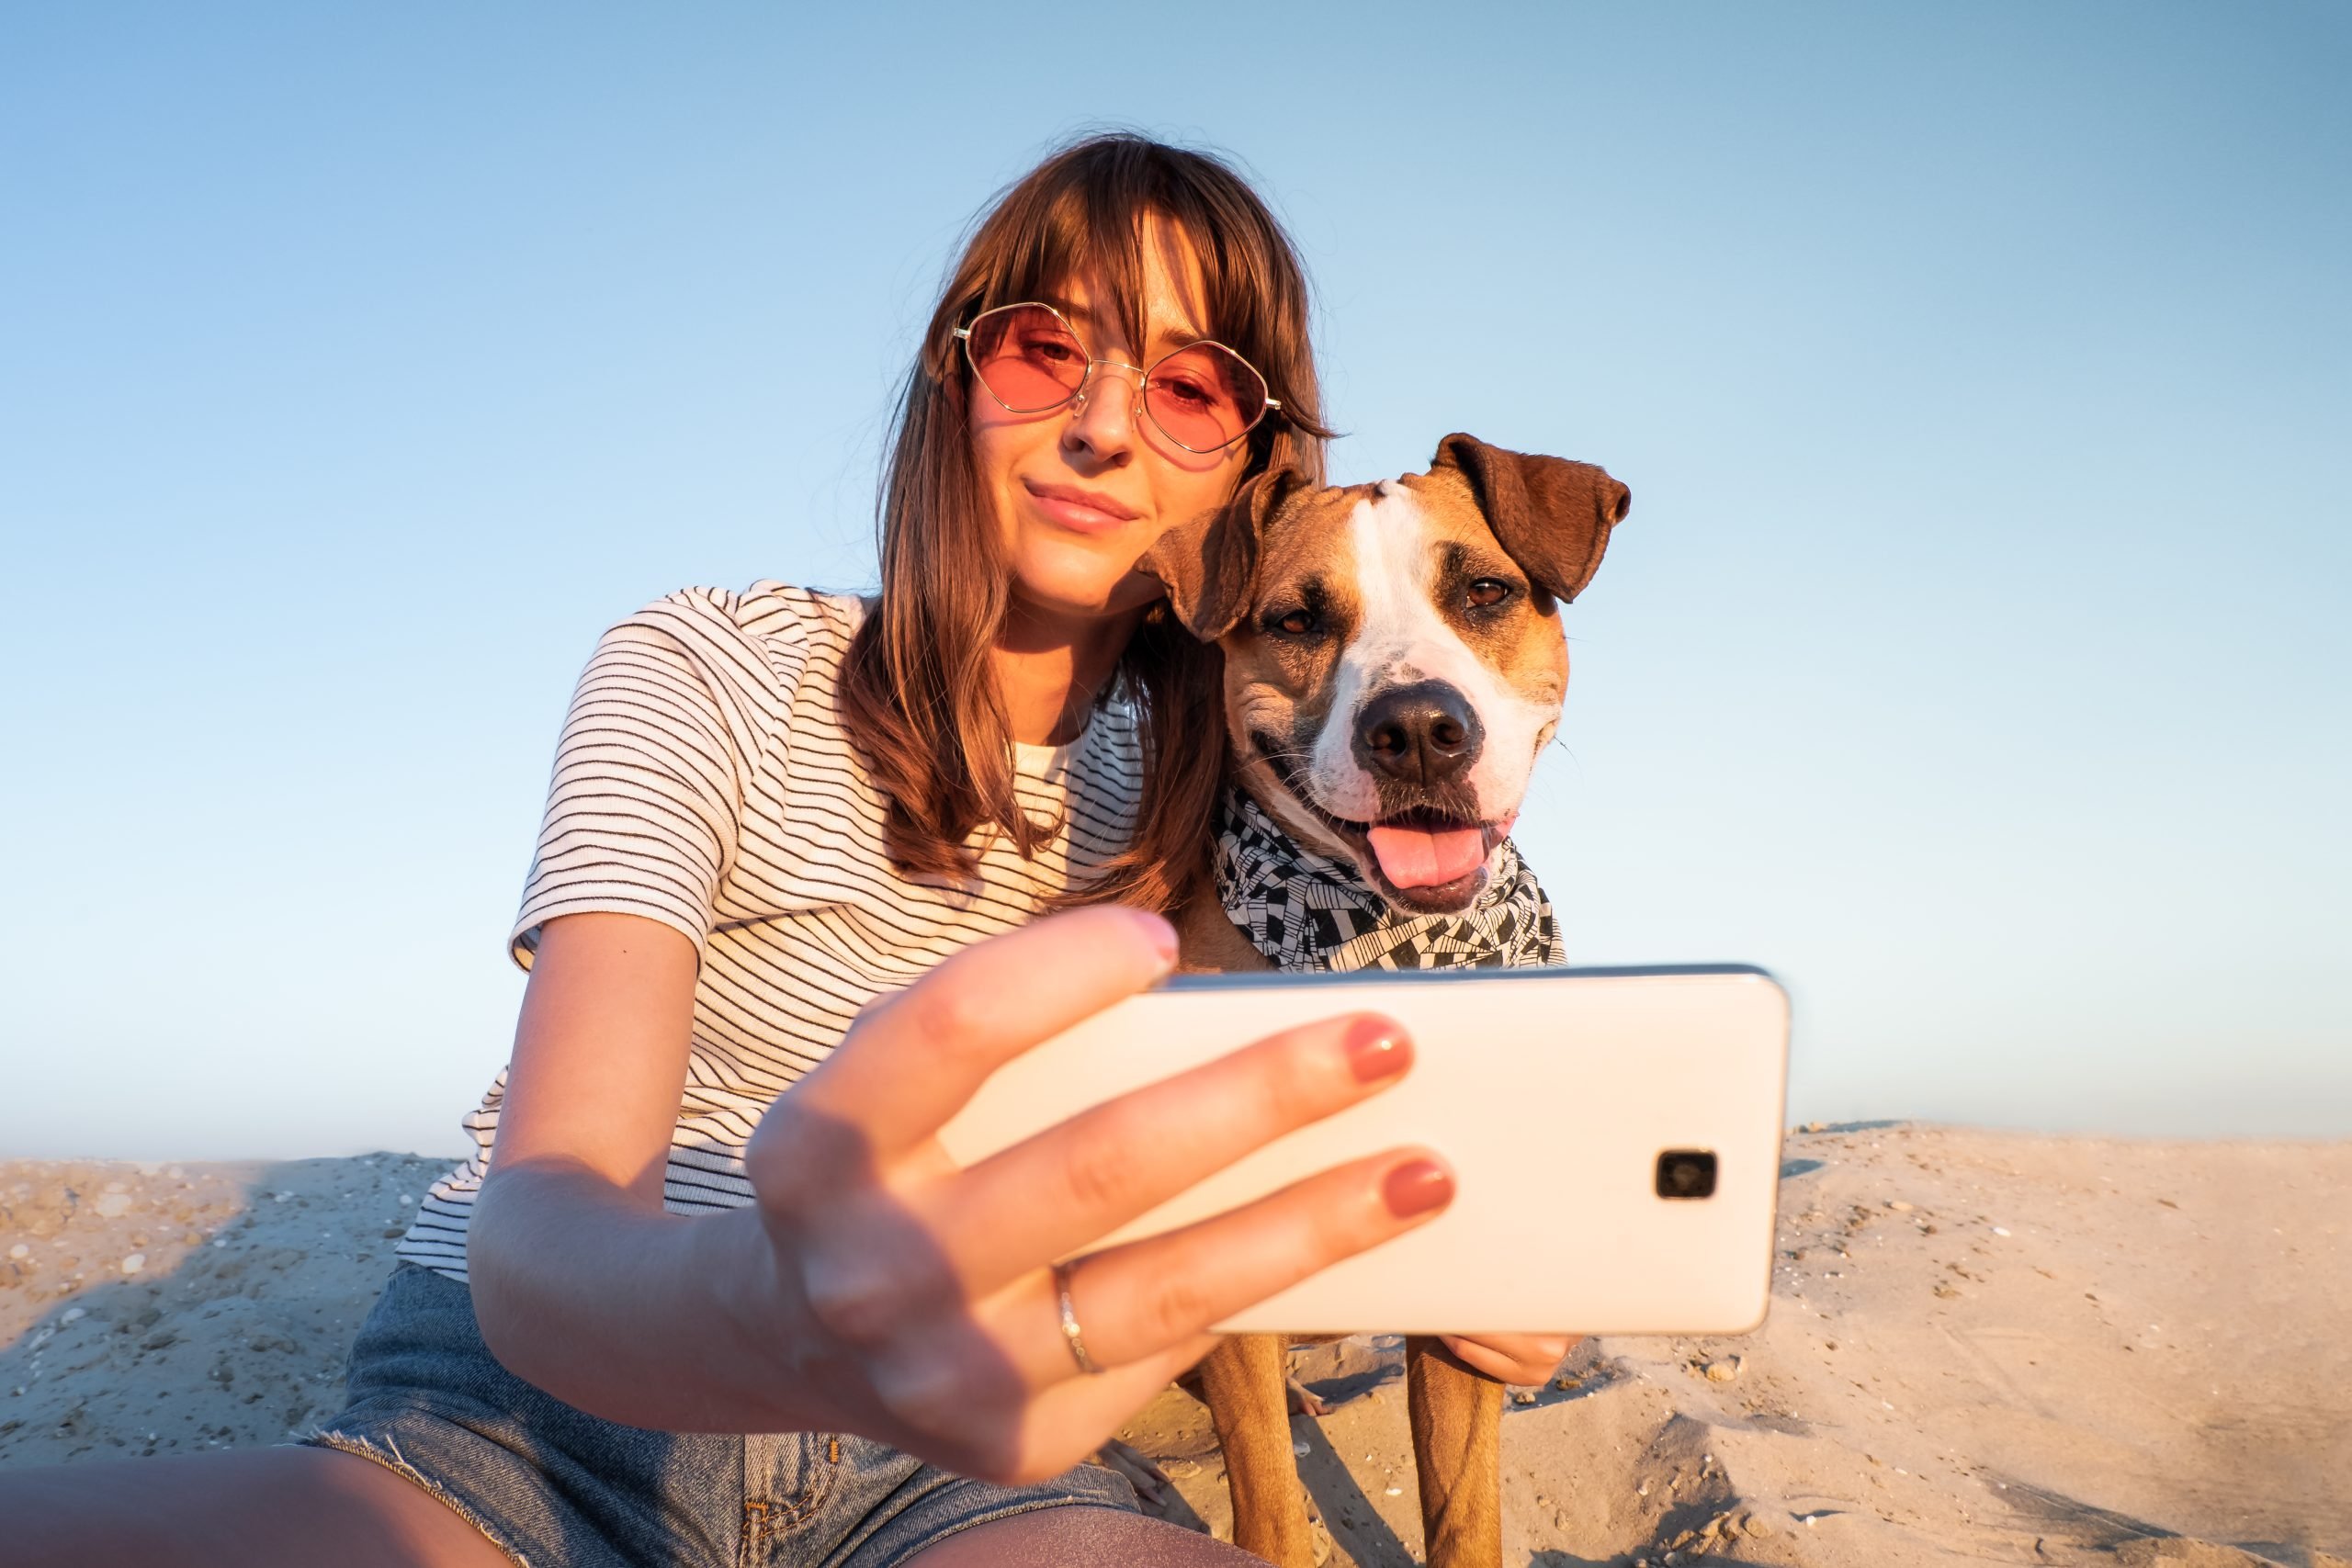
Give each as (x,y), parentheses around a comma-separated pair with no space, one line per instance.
(1153,1488)
(1304,1400)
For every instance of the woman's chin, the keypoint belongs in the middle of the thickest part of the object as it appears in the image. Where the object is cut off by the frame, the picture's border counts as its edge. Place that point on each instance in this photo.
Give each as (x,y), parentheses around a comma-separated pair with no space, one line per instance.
(1053,588)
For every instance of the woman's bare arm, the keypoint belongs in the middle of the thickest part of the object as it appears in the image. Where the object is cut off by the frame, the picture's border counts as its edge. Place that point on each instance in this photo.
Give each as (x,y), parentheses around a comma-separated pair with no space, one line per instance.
(874,1286)
(582,1283)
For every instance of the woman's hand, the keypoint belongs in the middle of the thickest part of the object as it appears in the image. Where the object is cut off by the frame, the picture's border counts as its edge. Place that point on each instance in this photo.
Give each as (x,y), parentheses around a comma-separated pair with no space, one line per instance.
(1522,1358)
(912,1300)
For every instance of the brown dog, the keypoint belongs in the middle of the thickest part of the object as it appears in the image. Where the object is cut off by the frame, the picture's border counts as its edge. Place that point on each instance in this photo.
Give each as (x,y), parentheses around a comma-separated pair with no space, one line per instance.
(1394,662)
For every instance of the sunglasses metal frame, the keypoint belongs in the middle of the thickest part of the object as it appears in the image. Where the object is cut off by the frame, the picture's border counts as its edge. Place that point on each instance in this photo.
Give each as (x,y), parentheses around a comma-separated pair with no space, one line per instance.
(1077,394)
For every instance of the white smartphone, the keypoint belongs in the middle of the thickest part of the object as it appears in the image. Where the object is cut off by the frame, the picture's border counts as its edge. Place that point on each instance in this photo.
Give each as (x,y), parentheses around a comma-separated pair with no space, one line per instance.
(1615,1136)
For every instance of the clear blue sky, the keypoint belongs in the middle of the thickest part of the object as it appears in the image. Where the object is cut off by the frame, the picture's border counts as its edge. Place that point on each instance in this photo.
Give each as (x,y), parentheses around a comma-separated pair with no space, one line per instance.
(1975,655)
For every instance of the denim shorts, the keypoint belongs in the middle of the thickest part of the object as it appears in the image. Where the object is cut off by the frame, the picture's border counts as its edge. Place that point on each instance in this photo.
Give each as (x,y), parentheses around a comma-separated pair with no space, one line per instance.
(555,1487)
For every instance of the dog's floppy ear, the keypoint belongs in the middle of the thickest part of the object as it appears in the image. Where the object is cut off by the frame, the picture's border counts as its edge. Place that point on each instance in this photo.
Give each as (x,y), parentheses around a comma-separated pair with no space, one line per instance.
(1552,515)
(1210,567)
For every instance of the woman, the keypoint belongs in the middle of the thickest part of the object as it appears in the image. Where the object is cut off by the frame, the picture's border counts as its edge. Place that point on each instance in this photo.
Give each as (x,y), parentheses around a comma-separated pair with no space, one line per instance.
(768,810)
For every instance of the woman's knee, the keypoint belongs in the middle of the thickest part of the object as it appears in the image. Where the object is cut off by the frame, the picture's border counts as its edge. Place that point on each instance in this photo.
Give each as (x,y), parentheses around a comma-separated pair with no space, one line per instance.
(1069,1537)
(258,1507)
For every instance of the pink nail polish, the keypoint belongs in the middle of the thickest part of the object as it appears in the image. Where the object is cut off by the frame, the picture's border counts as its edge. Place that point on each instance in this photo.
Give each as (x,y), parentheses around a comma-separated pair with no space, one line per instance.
(1378,1049)
(1417,1187)
(1163,940)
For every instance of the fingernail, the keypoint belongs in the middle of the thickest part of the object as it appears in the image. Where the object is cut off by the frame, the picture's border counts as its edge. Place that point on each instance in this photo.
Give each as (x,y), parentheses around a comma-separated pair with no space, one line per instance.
(1417,1187)
(1378,1048)
(1163,941)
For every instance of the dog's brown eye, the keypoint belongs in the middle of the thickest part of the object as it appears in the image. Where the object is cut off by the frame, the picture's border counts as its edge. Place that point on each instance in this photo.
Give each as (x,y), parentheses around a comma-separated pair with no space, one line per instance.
(1299,622)
(1485,594)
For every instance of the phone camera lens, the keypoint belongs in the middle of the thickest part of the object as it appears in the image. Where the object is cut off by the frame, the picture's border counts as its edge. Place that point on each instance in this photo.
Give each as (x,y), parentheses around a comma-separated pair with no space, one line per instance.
(1686,1173)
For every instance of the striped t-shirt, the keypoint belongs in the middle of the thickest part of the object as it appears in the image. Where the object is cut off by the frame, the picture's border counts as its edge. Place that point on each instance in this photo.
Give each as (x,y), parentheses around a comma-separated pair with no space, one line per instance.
(703,780)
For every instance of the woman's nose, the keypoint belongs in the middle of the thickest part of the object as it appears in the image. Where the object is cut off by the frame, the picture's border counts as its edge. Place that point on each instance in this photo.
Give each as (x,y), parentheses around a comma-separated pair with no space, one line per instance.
(1102,419)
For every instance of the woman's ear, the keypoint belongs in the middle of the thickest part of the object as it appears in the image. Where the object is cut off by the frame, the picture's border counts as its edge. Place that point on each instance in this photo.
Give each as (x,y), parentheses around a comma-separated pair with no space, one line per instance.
(1552,515)
(1211,566)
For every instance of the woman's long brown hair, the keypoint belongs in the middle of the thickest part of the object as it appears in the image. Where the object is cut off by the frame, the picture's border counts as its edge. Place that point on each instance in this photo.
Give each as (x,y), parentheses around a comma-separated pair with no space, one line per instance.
(918,694)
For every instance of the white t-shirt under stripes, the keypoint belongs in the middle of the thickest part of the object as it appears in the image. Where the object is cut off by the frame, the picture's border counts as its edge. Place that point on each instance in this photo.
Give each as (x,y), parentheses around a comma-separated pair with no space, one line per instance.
(704,780)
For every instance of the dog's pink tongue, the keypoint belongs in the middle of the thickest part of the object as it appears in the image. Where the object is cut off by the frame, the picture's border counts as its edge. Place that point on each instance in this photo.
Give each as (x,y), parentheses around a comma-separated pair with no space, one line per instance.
(1423,857)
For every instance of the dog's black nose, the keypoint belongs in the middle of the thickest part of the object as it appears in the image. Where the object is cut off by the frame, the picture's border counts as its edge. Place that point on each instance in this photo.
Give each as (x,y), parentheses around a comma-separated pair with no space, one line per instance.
(1421,734)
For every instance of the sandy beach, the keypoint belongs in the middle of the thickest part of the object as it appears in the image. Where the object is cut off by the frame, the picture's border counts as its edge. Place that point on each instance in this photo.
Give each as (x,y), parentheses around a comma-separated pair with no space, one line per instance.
(1983,1347)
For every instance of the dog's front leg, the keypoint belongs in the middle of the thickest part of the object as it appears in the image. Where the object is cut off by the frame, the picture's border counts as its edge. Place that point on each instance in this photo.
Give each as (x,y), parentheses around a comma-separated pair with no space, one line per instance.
(1249,1399)
(1457,1448)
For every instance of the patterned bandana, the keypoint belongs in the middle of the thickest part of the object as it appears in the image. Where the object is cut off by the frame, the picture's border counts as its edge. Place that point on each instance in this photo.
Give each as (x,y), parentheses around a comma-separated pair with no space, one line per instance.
(1305,912)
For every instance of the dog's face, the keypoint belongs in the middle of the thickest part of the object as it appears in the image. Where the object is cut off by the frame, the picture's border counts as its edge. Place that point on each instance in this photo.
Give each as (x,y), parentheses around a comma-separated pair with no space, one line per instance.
(1394,654)
(1391,683)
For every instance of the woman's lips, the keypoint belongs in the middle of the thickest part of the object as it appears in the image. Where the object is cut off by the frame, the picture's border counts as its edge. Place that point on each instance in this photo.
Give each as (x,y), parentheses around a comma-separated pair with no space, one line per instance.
(1088,512)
